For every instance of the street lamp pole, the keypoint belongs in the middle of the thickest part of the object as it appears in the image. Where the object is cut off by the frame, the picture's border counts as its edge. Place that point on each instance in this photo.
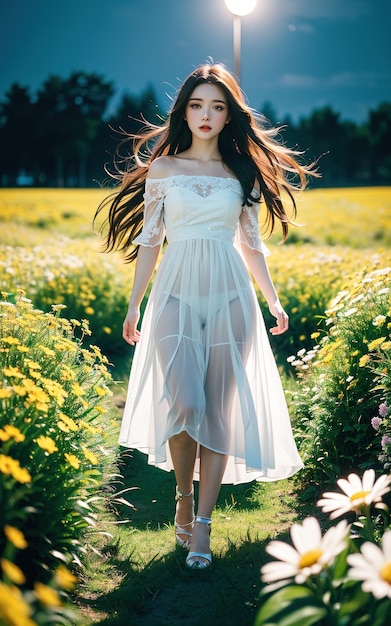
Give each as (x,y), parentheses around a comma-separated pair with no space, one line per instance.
(237,38)
(239,8)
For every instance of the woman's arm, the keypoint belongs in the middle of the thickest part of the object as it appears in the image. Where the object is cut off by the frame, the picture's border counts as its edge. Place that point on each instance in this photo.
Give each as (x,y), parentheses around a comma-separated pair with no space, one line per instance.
(145,265)
(258,267)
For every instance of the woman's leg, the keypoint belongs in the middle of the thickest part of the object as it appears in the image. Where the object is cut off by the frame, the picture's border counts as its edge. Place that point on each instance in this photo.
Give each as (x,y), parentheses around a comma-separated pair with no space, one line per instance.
(220,387)
(183,451)
(180,358)
(212,466)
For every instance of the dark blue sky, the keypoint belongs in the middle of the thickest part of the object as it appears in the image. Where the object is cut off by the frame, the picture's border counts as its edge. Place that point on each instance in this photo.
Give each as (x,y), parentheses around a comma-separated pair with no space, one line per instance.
(296,54)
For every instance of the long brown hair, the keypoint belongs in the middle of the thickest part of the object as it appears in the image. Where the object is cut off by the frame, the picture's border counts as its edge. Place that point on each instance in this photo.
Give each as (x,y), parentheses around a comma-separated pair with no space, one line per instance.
(248,148)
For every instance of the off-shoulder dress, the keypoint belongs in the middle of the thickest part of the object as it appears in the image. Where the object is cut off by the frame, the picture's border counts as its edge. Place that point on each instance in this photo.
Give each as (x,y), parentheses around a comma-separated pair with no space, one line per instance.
(204,362)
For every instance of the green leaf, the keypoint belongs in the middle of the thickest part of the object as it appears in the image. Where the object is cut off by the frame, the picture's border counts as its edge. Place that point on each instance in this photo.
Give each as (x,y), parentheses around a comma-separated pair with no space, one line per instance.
(353,599)
(382,613)
(293,605)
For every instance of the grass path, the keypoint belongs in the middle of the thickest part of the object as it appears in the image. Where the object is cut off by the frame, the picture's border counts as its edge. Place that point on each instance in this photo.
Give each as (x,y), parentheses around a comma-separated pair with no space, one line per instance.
(139,579)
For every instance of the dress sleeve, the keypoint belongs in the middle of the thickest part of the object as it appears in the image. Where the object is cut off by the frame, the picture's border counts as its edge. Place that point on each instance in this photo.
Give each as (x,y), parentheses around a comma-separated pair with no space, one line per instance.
(248,229)
(152,233)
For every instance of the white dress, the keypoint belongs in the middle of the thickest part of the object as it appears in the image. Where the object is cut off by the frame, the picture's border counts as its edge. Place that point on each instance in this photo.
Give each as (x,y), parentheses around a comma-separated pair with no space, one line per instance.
(204,362)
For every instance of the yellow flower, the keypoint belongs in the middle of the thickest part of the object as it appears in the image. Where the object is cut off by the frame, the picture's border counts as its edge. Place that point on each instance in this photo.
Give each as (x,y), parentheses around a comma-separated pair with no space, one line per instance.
(70,423)
(88,427)
(19,390)
(64,578)
(55,390)
(77,390)
(13,371)
(47,444)
(89,310)
(35,374)
(22,475)
(14,432)
(32,364)
(13,572)
(67,374)
(101,391)
(90,456)
(5,392)
(11,467)
(58,307)
(15,536)
(62,426)
(48,351)
(14,610)
(10,341)
(364,360)
(23,349)
(72,460)
(46,595)
(376,343)
(106,330)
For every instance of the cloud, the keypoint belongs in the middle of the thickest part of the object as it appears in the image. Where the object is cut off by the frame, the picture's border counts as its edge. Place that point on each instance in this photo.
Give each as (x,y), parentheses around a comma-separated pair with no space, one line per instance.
(302,28)
(297,80)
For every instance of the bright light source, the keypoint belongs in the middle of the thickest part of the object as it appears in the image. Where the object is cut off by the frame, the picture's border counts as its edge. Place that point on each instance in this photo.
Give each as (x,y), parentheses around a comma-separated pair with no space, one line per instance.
(241,7)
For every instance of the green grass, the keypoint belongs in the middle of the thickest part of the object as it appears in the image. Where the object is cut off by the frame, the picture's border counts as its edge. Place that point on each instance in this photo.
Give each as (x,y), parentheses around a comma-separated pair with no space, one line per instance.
(137,575)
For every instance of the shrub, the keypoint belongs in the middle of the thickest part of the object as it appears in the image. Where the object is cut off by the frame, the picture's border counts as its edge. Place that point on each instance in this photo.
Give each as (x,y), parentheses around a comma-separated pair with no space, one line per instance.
(307,278)
(52,395)
(338,393)
(379,363)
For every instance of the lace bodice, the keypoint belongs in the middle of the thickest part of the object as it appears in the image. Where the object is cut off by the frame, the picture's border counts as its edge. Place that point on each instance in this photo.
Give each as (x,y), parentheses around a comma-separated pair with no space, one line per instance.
(206,207)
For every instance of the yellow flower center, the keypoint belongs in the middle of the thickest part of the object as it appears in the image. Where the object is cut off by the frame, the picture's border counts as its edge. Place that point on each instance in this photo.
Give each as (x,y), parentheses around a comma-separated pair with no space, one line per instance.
(359,495)
(309,558)
(385,573)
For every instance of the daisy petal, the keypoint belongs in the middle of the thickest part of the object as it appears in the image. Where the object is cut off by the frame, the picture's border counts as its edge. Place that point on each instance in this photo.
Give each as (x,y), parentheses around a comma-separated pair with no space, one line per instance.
(283,552)
(368,480)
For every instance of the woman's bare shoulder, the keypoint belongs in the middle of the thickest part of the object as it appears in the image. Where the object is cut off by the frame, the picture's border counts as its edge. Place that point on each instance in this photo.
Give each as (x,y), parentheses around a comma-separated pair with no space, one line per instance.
(161,167)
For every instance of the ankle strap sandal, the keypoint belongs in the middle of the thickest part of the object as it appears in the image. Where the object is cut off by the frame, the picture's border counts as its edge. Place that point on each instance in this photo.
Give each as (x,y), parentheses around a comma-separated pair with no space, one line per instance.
(200,560)
(180,529)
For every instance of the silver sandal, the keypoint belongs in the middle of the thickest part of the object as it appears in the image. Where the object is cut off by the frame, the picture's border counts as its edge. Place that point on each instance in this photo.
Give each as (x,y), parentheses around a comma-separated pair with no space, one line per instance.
(179,529)
(193,559)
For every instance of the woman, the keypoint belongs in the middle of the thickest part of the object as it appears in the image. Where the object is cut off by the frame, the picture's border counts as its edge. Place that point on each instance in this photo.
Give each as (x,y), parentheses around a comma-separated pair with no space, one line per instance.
(205,397)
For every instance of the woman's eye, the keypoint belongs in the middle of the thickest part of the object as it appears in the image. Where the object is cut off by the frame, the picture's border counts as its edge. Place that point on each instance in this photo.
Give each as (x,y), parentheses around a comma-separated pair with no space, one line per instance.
(194,106)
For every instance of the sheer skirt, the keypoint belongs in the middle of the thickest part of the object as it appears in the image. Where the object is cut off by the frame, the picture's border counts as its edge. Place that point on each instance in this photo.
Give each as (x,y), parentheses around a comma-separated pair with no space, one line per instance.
(204,365)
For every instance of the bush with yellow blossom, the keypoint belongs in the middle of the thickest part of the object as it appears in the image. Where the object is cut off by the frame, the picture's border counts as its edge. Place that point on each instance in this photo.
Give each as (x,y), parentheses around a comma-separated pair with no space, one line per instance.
(52,397)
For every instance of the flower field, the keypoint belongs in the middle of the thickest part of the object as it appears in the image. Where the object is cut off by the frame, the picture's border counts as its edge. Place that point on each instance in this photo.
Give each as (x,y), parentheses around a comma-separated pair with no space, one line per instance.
(61,313)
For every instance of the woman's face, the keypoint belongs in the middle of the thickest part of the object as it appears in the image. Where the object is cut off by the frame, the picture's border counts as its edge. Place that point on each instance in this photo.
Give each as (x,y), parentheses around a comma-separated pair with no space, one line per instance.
(207,111)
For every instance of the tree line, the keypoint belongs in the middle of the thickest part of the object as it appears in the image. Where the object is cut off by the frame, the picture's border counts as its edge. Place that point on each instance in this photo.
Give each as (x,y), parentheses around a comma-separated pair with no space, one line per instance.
(62,135)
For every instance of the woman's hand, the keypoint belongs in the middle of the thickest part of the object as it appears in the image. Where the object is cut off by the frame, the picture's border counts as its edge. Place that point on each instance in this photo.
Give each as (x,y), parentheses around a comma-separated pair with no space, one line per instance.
(129,328)
(282,318)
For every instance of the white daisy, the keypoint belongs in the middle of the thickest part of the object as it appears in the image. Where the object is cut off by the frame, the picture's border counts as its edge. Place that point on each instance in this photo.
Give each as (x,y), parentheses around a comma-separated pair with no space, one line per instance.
(357,494)
(311,552)
(373,566)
